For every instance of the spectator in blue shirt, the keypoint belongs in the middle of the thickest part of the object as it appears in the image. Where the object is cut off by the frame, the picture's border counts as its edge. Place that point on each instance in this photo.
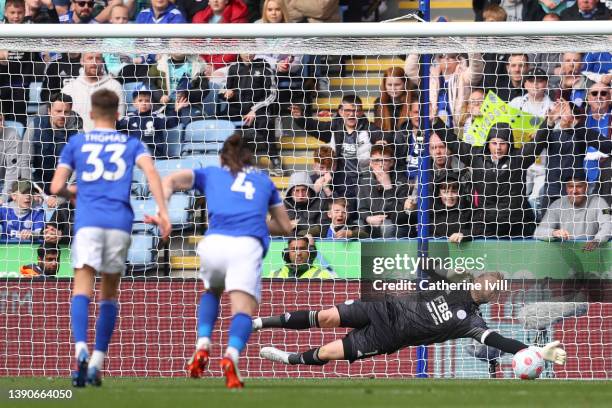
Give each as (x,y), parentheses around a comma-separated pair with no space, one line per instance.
(161,12)
(18,220)
(81,13)
(149,126)
(599,118)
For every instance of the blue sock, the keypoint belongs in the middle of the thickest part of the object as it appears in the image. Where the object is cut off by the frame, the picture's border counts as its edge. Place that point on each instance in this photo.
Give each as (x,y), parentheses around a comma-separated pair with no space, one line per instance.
(105,324)
(79,315)
(207,314)
(240,331)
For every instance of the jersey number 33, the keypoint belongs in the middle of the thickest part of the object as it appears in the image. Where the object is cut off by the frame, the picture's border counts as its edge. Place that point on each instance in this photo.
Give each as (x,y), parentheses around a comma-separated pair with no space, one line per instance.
(100,169)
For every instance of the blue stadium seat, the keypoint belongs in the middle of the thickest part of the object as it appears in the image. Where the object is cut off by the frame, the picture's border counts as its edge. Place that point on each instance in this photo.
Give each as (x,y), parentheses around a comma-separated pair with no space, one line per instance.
(177,211)
(173,140)
(15,125)
(205,136)
(141,250)
(34,100)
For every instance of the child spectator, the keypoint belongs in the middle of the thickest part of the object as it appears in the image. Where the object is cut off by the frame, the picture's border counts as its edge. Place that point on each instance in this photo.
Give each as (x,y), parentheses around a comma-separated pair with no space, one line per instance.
(383,196)
(251,93)
(336,224)
(18,220)
(14,12)
(392,107)
(149,126)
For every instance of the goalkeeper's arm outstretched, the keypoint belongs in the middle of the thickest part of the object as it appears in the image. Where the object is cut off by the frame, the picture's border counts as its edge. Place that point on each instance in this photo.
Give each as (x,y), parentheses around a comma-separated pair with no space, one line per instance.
(385,327)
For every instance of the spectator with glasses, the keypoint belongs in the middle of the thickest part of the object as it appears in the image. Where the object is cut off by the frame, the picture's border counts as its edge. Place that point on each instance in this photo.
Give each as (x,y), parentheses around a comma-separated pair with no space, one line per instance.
(81,12)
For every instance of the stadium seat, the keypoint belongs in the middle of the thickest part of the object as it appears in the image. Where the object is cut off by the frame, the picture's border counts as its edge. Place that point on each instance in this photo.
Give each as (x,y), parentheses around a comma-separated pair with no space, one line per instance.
(15,125)
(141,249)
(34,100)
(173,140)
(205,136)
(177,210)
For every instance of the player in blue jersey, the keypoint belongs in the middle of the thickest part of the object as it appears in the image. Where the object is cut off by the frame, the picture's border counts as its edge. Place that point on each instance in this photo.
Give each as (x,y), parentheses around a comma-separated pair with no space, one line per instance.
(103,160)
(238,198)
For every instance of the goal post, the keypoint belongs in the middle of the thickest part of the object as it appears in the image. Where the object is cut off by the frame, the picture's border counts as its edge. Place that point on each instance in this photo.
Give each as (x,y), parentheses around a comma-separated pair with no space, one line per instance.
(305,90)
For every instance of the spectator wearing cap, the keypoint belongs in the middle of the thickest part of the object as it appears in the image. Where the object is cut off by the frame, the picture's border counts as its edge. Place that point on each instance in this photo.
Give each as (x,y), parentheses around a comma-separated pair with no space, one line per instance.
(46,136)
(577,216)
(498,176)
(149,126)
(586,10)
(566,140)
(160,12)
(599,118)
(536,101)
(450,82)
(302,203)
(18,219)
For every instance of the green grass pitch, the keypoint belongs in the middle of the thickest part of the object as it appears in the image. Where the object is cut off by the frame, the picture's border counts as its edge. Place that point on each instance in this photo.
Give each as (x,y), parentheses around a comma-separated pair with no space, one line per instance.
(327,393)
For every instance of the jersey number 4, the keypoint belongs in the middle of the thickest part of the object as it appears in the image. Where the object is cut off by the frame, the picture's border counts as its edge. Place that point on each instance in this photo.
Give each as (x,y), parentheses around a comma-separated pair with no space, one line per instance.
(242,186)
(99,169)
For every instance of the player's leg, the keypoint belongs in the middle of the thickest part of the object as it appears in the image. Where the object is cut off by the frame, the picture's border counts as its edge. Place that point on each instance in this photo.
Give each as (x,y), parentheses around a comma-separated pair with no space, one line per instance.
(243,307)
(116,245)
(300,320)
(349,314)
(84,278)
(243,283)
(212,272)
(87,248)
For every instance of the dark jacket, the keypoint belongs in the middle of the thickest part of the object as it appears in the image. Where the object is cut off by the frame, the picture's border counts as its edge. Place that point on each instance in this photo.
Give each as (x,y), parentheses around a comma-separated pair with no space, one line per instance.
(445,221)
(500,185)
(254,86)
(309,213)
(573,13)
(352,149)
(566,150)
(375,200)
(46,145)
(408,146)
(149,128)
(503,88)
(57,73)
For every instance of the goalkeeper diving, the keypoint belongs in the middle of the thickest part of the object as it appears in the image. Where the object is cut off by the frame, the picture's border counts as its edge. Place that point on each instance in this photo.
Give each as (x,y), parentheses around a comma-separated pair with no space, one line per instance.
(384,327)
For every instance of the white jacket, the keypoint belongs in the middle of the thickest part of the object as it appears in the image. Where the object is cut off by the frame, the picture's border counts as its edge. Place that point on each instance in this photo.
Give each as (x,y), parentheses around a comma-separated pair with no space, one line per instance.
(81,90)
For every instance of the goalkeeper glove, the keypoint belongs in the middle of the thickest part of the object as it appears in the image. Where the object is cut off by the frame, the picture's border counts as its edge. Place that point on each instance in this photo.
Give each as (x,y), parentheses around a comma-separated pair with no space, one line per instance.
(552,352)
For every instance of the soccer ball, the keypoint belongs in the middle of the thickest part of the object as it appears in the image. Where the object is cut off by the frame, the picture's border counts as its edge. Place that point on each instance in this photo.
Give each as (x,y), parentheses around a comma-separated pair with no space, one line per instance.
(528,364)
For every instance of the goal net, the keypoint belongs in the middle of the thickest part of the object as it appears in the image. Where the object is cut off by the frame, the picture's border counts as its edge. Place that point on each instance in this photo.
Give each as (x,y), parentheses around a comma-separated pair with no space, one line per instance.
(403,152)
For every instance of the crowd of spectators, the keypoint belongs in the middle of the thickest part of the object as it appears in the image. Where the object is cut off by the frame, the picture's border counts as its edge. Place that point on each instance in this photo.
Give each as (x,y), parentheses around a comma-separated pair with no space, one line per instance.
(365,178)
